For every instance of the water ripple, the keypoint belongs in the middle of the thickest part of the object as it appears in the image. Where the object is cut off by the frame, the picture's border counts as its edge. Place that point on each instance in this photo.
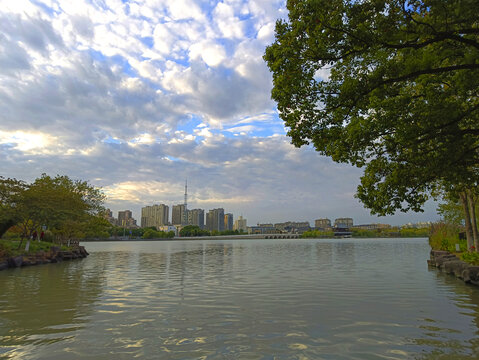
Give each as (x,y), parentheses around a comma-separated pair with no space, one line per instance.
(291,299)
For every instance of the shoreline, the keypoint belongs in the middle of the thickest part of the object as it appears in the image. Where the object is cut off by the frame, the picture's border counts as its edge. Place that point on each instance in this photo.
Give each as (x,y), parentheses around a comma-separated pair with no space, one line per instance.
(449,263)
(54,255)
(244,237)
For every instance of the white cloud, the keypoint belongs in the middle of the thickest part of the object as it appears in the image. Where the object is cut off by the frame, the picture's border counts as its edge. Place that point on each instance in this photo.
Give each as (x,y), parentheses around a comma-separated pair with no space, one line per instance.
(230,26)
(29,142)
(139,95)
(212,54)
(184,9)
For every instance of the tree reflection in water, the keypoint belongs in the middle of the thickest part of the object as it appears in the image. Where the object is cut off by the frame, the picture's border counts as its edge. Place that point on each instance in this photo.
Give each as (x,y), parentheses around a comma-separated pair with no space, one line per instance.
(42,304)
(443,341)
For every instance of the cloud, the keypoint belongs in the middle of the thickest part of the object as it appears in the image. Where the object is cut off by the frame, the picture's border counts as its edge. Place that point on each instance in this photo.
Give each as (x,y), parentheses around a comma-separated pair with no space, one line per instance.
(213,54)
(28,142)
(137,96)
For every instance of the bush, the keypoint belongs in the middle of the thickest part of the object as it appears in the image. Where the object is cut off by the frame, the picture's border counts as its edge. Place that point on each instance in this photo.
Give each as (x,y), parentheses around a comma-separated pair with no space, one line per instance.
(445,237)
(366,233)
(471,258)
(317,234)
(414,232)
(154,234)
(10,247)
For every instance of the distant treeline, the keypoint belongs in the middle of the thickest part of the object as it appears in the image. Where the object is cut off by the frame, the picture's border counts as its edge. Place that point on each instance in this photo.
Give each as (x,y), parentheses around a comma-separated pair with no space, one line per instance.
(153,233)
(362,233)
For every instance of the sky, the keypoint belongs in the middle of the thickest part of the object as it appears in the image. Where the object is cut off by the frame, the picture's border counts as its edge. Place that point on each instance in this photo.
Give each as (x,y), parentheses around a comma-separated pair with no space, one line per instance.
(138,96)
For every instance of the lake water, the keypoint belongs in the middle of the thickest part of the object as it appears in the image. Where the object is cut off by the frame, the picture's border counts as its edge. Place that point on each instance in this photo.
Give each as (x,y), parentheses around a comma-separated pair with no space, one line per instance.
(240,299)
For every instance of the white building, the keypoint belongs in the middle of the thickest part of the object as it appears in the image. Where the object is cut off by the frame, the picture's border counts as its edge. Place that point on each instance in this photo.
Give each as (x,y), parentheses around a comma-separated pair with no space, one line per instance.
(240,224)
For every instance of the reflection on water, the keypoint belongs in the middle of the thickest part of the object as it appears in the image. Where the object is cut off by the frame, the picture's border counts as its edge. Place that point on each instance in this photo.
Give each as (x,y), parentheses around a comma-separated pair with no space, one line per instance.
(45,304)
(255,299)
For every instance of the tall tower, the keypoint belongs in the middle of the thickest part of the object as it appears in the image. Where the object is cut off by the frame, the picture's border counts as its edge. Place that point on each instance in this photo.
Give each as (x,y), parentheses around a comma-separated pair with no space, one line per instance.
(185,213)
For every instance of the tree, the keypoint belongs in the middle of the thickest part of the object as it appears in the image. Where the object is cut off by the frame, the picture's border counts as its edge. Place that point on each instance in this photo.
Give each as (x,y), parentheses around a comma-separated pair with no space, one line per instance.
(65,206)
(460,205)
(96,227)
(389,86)
(151,233)
(193,230)
(9,192)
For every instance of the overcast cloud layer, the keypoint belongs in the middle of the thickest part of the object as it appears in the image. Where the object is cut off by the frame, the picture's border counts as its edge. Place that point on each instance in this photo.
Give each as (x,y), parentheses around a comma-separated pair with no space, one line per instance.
(137,96)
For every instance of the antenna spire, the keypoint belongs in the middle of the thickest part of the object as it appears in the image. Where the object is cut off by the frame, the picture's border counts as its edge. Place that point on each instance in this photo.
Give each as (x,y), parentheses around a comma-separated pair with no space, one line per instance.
(185,213)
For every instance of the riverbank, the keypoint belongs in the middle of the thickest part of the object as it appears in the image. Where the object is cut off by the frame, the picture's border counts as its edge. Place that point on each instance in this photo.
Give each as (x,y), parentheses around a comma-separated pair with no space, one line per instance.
(240,237)
(450,264)
(54,255)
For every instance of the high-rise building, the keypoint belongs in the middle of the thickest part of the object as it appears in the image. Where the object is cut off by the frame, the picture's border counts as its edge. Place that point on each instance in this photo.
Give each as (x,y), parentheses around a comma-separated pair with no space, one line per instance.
(343,223)
(156,215)
(209,220)
(184,219)
(240,224)
(196,217)
(126,220)
(178,214)
(123,217)
(322,223)
(108,215)
(229,221)
(215,220)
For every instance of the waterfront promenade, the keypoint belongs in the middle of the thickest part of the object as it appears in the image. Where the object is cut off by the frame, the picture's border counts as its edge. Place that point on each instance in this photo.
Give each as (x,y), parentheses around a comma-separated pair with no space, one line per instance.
(223,237)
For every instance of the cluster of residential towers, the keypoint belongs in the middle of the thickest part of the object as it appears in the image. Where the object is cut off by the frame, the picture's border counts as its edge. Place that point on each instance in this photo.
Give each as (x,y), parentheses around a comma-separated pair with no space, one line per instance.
(215,219)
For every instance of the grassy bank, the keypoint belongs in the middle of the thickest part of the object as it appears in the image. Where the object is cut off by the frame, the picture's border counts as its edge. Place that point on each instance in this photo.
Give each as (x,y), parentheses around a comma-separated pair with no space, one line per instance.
(446,236)
(9,248)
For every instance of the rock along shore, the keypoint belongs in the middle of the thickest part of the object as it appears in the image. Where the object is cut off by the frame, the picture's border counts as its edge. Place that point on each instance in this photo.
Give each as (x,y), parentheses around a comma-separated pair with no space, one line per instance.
(55,255)
(451,264)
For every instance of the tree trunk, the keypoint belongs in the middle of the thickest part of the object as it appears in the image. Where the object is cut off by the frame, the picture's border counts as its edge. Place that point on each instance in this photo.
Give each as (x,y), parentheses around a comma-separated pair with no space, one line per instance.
(472,211)
(21,242)
(467,218)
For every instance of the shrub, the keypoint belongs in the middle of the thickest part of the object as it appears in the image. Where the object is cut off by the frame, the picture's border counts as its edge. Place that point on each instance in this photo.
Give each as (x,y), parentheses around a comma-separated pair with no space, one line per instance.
(445,237)
(471,257)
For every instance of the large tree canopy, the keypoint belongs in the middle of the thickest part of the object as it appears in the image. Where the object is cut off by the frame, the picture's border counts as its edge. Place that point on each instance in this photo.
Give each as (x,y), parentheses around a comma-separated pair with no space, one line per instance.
(63,205)
(391,86)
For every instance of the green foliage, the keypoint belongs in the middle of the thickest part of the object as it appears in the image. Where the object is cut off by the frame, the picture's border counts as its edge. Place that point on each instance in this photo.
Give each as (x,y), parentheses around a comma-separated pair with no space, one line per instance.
(451,209)
(96,227)
(9,192)
(150,233)
(193,230)
(315,234)
(445,237)
(470,257)
(373,233)
(366,233)
(65,206)
(390,86)
(414,232)
(11,247)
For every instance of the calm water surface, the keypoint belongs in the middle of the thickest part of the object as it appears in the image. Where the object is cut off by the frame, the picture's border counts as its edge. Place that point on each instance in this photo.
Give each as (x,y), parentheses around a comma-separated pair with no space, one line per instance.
(240,299)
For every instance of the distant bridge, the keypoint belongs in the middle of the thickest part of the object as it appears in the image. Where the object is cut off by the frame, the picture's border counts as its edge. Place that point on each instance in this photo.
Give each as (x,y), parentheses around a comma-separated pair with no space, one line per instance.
(224,237)
(281,236)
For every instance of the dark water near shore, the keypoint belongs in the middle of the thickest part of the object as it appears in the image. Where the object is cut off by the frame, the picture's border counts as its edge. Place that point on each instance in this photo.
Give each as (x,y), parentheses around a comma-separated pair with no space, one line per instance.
(240,299)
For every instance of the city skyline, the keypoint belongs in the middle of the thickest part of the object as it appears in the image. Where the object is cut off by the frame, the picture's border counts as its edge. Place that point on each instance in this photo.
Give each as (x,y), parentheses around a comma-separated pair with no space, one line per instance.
(193,216)
(137,98)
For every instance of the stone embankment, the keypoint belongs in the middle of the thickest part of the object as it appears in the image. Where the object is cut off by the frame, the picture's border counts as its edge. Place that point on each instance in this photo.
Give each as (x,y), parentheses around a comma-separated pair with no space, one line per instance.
(451,264)
(55,255)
